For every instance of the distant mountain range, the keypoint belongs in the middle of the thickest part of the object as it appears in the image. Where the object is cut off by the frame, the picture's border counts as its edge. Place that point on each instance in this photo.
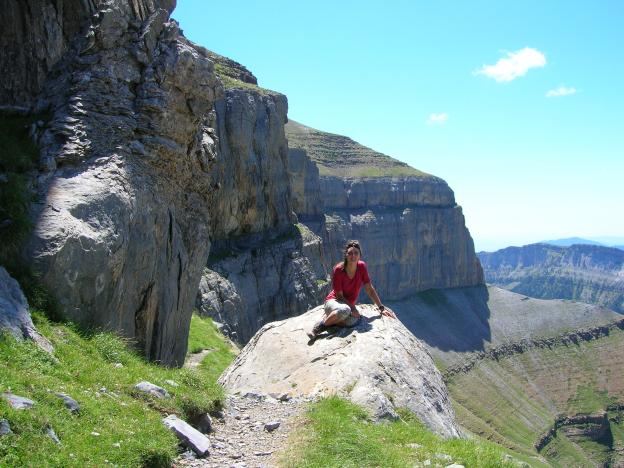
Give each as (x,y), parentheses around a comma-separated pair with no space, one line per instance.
(583,272)
(617,242)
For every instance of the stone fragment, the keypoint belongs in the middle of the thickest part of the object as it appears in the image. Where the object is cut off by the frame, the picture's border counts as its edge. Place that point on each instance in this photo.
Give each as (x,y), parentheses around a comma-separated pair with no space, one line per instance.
(18,402)
(52,435)
(204,423)
(71,404)
(455,465)
(5,427)
(172,383)
(271,426)
(444,457)
(414,446)
(188,435)
(152,389)
(15,315)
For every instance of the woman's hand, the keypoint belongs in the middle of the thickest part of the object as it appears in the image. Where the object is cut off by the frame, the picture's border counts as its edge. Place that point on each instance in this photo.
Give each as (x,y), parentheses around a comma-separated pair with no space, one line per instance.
(355,312)
(388,313)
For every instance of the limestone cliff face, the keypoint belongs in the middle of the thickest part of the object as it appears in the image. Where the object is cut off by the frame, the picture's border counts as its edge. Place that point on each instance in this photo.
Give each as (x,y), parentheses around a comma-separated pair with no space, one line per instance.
(122,225)
(37,33)
(259,268)
(412,232)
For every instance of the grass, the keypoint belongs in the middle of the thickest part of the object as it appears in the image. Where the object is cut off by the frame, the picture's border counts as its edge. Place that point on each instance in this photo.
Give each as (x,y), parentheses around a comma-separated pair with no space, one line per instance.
(513,401)
(18,156)
(204,335)
(229,80)
(129,424)
(337,433)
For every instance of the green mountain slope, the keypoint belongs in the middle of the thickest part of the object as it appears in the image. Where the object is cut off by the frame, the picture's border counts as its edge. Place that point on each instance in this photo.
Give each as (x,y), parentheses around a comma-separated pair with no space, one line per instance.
(339,155)
(522,371)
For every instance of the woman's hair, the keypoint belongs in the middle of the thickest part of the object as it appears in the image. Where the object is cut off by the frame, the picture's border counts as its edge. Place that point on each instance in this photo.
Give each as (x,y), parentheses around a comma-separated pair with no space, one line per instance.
(351,243)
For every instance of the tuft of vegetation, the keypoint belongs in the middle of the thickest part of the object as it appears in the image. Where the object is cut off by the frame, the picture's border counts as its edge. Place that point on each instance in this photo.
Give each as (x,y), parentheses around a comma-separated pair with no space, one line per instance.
(116,425)
(337,433)
(18,156)
(228,78)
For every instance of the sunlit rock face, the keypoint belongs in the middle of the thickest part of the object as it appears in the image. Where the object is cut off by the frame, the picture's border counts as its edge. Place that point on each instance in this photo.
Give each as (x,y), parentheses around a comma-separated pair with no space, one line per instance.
(412,232)
(378,364)
(122,227)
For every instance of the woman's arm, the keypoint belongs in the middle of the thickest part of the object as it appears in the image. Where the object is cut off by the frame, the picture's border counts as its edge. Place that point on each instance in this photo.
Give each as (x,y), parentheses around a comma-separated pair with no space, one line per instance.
(372,293)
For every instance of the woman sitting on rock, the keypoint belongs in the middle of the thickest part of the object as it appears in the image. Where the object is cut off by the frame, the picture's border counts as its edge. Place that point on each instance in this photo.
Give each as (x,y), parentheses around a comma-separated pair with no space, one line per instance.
(347,280)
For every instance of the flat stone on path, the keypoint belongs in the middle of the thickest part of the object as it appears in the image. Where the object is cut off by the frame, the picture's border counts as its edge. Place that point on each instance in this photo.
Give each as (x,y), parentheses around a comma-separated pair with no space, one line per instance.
(188,435)
(271,426)
(18,402)
(152,389)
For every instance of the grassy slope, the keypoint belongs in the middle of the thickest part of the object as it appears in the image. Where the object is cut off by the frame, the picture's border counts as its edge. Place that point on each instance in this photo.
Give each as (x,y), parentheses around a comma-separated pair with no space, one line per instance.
(515,400)
(339,155)
(336,433)
(81,367)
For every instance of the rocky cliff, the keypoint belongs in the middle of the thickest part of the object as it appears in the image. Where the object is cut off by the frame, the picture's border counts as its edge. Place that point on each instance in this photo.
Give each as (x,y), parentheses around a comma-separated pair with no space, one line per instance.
(412,232)
(587,273)
(164,165)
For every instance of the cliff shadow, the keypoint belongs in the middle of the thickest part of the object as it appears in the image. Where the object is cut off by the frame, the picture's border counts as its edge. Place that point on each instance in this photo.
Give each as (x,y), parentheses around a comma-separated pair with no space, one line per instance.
(448,319)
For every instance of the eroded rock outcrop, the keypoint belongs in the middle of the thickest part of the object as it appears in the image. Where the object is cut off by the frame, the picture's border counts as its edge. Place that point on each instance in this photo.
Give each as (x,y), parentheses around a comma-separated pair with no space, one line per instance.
(378,364)
(14,313)
(122,233)
(262,267)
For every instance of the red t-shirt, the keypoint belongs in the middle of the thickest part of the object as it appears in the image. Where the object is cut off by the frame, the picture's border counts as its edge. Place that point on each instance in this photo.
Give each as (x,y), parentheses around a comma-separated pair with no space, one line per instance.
(350,287)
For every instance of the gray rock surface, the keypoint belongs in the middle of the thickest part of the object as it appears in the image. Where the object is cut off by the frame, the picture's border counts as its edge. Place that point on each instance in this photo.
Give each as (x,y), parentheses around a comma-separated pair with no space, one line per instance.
(586,273)
(152,389)
(188,435)
(14,313)
(304,181)
(71,404)
(408,249)
(5,427)
(18,402)
(259,281)
(52,435)
(379,364)
(39,32)
(122,231)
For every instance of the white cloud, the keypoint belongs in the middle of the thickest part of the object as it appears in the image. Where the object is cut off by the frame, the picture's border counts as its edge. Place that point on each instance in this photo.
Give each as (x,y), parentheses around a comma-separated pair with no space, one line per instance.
(438,118)
(561,91)
(516,64)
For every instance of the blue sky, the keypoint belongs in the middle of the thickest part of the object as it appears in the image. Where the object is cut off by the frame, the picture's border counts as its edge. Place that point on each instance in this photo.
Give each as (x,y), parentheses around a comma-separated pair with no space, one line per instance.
(459,89)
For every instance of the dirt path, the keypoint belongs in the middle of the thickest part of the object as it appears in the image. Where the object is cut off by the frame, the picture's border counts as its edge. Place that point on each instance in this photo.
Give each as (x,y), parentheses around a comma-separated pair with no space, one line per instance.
(244,437)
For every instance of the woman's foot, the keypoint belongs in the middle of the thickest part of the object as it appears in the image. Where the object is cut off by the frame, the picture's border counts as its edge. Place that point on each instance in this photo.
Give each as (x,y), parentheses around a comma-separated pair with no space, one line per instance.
(317,329)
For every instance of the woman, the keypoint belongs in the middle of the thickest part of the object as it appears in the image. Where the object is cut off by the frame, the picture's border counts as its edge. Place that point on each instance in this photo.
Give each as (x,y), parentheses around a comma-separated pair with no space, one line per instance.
(347,279)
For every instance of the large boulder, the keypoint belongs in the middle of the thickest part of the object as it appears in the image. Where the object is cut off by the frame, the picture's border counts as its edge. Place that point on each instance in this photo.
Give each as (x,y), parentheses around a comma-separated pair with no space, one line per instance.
(378,364)
(14,314)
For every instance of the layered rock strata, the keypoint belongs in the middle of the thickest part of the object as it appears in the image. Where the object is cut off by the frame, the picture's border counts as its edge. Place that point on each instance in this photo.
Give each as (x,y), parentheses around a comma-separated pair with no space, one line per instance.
(587,273)
(412,231)
(122,228)
(378,364)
